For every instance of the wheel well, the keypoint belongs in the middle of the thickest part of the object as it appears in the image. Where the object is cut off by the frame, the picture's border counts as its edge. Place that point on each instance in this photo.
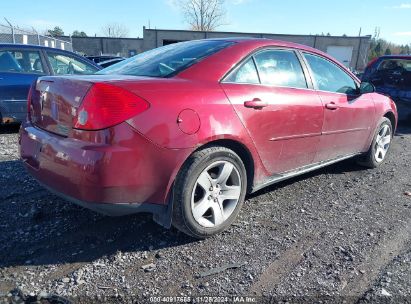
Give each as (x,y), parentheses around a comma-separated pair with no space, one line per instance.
(242,152)
(391,117)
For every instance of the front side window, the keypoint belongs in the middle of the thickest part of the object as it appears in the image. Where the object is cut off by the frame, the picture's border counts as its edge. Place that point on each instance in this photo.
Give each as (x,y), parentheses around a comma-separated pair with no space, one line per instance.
(329,77)
(280,68)
(168,60)
(63,65)
(21,61)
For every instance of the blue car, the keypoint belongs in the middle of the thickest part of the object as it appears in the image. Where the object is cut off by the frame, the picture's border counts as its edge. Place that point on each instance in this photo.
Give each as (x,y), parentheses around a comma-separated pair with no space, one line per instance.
(21,65)
(391,75)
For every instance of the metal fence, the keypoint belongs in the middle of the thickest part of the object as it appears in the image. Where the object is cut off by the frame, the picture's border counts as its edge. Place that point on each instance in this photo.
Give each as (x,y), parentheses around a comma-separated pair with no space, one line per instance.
(11,34)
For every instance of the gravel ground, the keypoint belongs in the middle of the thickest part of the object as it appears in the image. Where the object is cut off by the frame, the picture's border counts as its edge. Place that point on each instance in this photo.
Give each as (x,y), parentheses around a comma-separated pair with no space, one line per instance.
(340,234)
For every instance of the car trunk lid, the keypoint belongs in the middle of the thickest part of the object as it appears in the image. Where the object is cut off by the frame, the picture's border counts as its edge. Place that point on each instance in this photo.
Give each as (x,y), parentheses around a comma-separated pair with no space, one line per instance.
(55,101)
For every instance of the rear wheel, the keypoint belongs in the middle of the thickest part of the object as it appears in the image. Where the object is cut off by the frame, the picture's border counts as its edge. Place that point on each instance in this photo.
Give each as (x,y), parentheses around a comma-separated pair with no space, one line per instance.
(209,192)
(380,145)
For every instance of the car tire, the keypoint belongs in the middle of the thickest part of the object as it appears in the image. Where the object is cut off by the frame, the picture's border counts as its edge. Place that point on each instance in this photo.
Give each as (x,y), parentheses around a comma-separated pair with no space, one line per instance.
(380,145)
(200,212)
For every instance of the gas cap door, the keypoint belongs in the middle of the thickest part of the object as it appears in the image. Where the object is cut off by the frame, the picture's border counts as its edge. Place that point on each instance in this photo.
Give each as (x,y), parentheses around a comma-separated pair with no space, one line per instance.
(188,121)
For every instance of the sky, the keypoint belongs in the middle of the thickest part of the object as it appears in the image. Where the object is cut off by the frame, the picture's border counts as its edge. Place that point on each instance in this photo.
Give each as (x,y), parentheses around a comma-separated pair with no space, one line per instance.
(337,17)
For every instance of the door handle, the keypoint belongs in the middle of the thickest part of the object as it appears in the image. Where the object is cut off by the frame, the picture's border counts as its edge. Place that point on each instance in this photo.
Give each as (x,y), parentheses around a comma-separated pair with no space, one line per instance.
(331,106)
(256,103)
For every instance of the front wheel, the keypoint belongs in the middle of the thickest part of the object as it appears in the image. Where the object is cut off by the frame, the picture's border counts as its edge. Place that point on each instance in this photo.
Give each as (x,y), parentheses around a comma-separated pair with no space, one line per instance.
(209,192)
(380,145)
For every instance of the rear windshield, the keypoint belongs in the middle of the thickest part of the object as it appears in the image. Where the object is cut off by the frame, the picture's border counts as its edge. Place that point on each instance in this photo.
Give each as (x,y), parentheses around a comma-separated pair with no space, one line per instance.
(395,64)
(168,60)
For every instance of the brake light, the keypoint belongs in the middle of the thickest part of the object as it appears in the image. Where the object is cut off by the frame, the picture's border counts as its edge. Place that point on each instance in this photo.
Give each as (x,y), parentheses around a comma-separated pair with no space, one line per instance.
(29,97)
(106,105)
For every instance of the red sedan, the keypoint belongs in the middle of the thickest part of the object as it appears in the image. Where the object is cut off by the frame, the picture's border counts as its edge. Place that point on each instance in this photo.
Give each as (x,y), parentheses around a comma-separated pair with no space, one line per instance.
(185,131)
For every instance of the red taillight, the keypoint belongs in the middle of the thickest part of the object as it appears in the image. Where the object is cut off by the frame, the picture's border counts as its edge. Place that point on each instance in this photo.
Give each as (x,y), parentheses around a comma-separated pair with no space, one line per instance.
(29,97)
(106,105)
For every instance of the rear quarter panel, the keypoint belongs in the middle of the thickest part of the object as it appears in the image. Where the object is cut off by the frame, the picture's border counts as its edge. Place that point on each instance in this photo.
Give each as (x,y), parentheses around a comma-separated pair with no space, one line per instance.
(159,123)
(384,105)
(14,88)
(15,85)
(217,118)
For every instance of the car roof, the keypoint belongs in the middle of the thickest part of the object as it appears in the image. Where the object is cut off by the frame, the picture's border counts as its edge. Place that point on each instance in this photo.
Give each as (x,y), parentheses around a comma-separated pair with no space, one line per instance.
(245,46)
(395,57)
(34,46)
(266,42)
(40,47)
(104,56)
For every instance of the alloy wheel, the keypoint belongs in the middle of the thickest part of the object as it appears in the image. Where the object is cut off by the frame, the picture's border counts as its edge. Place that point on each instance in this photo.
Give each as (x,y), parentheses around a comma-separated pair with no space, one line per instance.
(382,143)
(216,194)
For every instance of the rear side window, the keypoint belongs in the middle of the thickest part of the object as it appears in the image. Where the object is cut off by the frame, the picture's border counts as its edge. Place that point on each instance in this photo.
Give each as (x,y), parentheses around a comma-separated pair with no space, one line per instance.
(329,77)
(64,64)
(168,60)
(247,73)
(395,65)
(271,67)
(280,68)
(21,61)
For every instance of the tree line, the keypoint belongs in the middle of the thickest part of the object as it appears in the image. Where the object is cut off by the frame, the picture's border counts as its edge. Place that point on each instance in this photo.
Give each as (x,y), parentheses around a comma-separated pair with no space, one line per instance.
(114,30)
(207,15)
(379,47)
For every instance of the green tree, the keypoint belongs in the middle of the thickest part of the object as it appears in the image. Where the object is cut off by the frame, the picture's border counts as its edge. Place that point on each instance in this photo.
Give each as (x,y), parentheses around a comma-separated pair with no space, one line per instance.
(77,33)
(57,31)
(387,51)
(378,48)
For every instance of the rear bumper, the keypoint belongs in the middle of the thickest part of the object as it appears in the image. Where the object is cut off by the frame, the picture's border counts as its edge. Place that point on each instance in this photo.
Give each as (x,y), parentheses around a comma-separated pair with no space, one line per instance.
(404,109)
(115,171)
(402,100)
(13,111)
(115,209)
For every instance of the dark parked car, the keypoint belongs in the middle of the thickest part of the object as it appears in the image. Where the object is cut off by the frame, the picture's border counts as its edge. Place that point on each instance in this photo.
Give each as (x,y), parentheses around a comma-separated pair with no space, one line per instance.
(101,58)
(107,63)
(391,75)
(21,65)
(187,130)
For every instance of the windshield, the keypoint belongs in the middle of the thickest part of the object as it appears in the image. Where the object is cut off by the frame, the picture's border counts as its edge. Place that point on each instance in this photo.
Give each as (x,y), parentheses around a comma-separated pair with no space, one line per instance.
(168,60)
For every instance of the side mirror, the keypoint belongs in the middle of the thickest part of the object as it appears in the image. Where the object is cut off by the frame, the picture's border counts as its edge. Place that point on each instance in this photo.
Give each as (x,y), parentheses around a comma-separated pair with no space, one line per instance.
(366,88)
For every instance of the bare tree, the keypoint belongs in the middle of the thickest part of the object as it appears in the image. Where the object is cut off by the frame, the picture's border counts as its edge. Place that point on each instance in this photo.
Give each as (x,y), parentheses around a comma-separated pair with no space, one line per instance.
(203,15)
(115,30)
